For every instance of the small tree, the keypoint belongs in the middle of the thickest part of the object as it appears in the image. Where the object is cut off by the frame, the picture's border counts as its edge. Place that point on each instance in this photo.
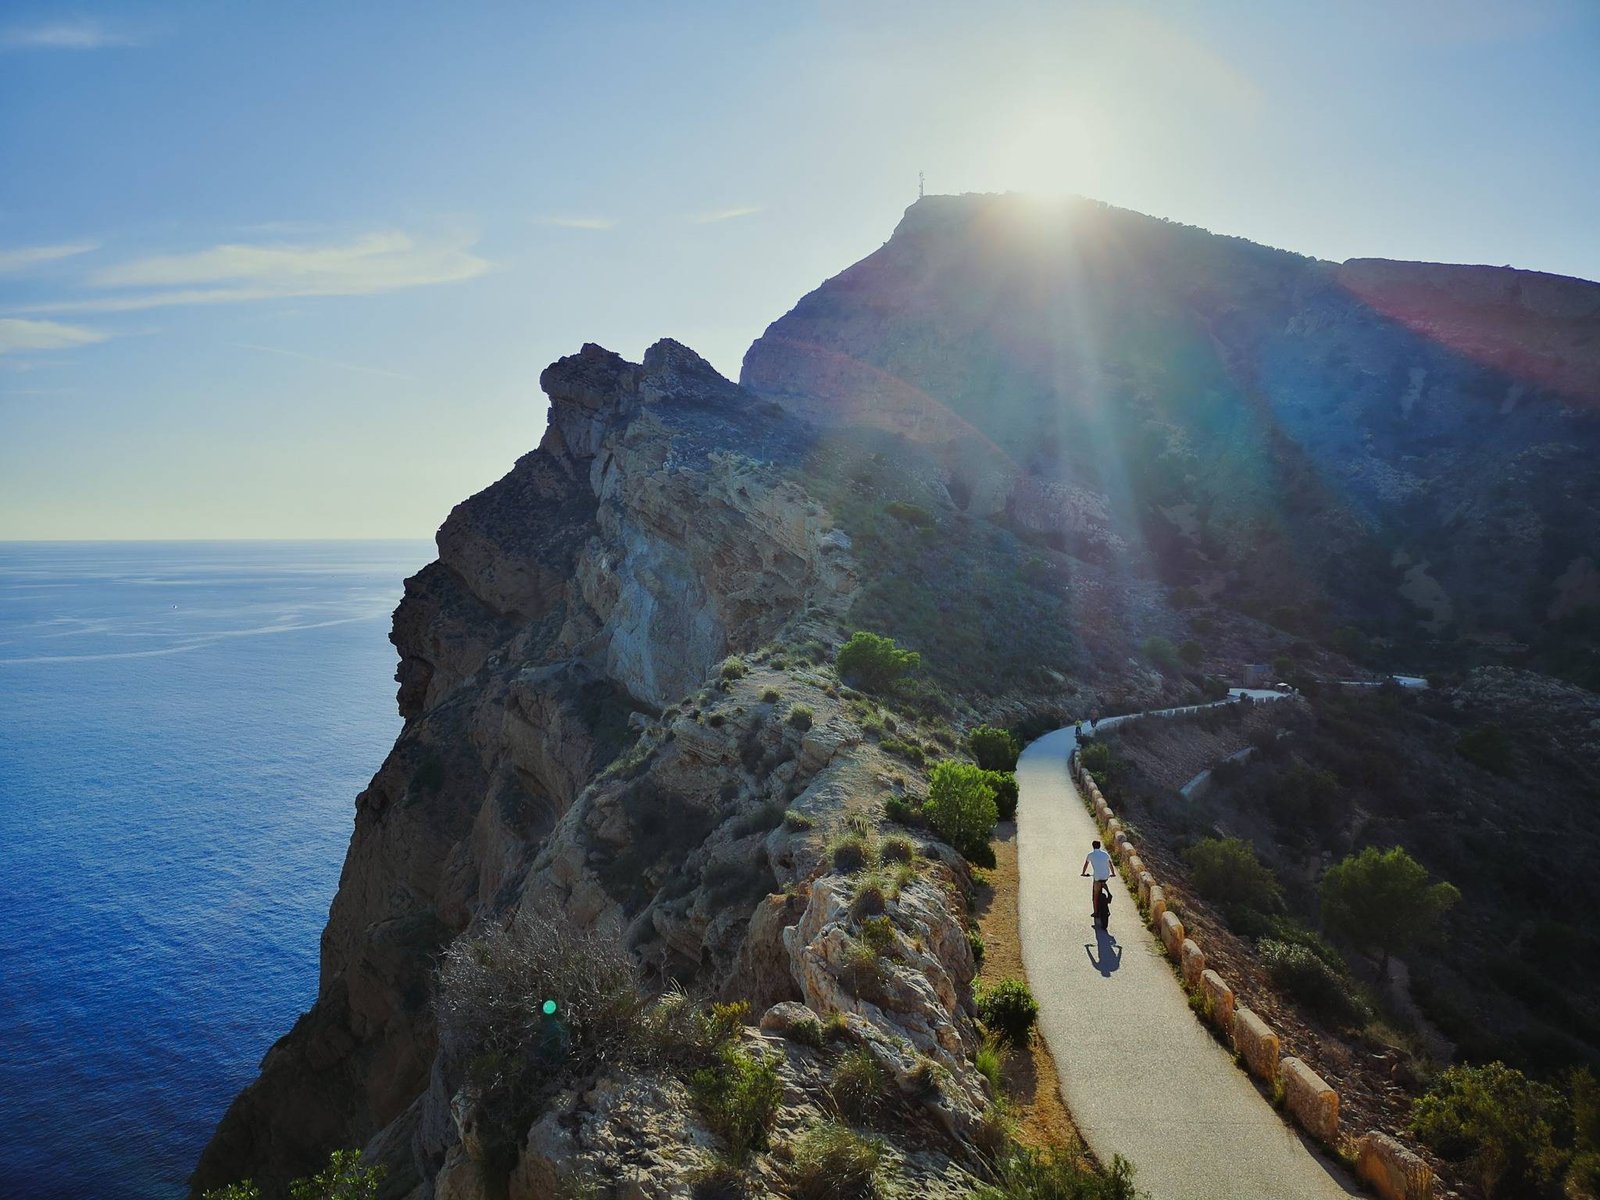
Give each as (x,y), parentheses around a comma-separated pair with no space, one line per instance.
(874,662)
(1191,652)
(1382,900)
(993,749)
(961,806)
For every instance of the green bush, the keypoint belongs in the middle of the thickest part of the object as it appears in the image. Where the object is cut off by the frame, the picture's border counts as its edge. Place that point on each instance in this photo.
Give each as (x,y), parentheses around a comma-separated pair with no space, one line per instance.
(344,1178)
(851,853)
(1312,982)
(1023,1173)
(1191,652)
(831,1162)
(1005,793)
(858,1086)
(897,849)
(801,716)
(807,1031)
(1096,759)
(733,667)
(771,696)
(796,821)
(993,749)
(739,1099)
(991,1060)
(961,806)
(912,752)
(872,662)
(1008,1008)
(975,941)
(1503,1124)
(1162,653)
(899,809)
(1227,871)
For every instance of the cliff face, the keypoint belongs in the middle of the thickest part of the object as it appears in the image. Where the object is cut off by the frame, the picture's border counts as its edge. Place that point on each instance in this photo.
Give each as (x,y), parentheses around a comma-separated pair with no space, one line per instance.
(1013,438)
(596,584)
(1400,446)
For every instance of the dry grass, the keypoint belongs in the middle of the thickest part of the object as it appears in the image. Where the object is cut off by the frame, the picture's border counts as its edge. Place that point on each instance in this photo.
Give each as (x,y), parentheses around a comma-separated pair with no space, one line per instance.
(1030,1076)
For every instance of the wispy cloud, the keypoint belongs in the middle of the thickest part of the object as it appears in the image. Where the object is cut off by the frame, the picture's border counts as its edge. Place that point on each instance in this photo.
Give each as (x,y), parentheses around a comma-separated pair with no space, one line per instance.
(17,335)
(24,257)
(324,362)
(725,214)
(62,35)
(596,224)
(238,272)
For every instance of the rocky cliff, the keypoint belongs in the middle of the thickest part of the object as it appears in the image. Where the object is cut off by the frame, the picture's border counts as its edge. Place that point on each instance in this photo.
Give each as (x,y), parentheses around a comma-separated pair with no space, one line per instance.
(573,750)
(1020,440)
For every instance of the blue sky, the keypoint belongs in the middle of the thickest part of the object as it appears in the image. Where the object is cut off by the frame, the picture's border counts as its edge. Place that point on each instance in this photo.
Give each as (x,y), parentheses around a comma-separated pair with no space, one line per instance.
(292,269)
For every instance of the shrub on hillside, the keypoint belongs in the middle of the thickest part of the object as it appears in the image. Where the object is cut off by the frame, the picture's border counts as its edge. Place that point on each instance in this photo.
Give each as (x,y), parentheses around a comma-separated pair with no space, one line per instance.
(1313,982)
(801,717)
(1502,1123)
(1162,653)
(1027,1174)
(1191,652)
(739,1098)
(1096,759)
(831,1162)
(491,999)
(1227,872)
(1005,793)
(344,1178)
(872,662)
(858,1085)
(1008,1008)
(961,806)
(993,749)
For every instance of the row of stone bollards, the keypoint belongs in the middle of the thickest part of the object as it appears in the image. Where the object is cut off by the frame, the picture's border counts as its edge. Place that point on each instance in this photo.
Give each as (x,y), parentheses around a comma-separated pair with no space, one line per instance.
(1393,1171)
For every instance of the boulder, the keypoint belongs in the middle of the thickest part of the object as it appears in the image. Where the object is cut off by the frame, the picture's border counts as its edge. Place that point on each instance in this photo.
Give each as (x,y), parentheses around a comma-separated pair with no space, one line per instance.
(1394,1172)
(1314,1104)
(1254,1041)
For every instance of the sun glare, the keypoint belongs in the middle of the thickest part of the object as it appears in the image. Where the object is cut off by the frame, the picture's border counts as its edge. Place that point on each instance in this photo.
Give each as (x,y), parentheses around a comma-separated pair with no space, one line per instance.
(1048,152)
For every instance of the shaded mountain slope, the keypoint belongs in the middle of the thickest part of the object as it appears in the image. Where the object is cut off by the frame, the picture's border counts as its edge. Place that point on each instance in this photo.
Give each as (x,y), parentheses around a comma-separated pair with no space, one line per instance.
(1400,446)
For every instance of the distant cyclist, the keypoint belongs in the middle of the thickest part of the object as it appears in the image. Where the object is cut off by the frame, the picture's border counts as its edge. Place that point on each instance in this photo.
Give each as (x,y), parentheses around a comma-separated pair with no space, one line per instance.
(1098,864)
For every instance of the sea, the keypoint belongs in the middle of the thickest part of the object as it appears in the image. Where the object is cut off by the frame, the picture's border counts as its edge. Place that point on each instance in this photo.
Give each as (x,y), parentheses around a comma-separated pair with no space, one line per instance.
(184,728)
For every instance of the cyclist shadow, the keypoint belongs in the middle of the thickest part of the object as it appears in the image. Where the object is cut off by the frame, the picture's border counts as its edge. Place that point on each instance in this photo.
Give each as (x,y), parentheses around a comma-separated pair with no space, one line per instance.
(1110,954)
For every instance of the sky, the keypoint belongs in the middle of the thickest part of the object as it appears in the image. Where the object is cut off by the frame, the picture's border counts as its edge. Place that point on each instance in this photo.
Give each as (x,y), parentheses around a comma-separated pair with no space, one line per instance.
(292,269)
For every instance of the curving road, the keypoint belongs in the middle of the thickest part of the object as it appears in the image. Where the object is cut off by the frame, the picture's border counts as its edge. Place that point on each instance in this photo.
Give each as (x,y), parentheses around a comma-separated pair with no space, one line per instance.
(1141,1075)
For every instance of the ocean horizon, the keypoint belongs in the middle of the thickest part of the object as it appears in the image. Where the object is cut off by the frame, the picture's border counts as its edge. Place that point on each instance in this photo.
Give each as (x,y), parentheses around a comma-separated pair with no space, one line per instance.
(184,727)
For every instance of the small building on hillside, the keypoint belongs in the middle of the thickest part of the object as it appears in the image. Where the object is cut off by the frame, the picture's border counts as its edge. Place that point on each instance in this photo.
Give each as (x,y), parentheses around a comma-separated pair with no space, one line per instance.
(1256,675)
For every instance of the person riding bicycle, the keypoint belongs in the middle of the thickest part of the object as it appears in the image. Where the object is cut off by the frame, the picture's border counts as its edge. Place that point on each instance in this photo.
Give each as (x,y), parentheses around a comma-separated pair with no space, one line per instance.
(1097,862)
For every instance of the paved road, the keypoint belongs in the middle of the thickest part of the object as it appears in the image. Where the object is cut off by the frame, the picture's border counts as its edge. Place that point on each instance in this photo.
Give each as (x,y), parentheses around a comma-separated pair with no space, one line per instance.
(1141,1075)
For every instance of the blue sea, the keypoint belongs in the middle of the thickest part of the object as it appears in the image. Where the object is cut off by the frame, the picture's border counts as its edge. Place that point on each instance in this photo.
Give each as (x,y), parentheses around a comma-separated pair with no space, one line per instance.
(184,727)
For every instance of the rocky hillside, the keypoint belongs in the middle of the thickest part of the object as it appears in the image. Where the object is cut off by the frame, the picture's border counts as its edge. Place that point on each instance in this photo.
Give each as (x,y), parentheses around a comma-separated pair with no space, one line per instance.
(1022,442)
(1401,448)
(580,750)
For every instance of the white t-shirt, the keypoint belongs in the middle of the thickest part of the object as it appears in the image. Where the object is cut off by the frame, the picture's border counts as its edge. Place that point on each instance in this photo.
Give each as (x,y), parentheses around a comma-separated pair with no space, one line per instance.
(1100,864)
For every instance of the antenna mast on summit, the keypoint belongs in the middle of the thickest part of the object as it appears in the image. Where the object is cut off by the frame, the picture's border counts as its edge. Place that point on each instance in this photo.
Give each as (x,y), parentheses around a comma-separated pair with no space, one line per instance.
(919,185)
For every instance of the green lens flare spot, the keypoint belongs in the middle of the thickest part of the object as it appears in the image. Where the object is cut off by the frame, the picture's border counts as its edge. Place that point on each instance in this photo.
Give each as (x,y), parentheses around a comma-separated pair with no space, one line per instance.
(549,1008)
